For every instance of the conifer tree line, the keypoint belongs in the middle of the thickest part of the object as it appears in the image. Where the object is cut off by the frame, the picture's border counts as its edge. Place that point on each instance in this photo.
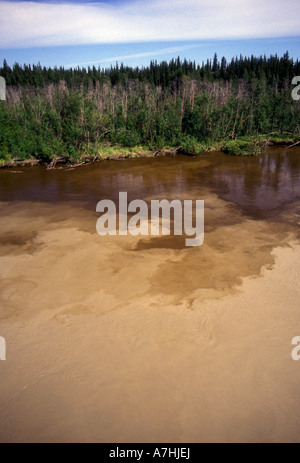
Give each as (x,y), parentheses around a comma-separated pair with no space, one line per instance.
(52,112)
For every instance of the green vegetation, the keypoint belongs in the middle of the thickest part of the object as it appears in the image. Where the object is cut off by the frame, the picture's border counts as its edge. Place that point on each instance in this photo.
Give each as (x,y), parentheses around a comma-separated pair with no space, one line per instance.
(77,115)
(243,148)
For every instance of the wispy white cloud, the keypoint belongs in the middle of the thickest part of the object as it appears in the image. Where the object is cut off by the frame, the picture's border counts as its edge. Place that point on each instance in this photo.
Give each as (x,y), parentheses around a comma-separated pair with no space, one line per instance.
(153,53)
(29,24)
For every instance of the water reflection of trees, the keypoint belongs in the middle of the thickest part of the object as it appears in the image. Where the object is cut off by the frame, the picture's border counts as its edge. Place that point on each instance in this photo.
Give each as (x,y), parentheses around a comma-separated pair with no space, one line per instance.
(259,185)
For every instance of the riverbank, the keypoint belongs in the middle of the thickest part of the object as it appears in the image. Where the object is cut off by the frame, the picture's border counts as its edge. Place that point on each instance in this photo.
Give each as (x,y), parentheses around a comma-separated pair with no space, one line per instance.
(246,146)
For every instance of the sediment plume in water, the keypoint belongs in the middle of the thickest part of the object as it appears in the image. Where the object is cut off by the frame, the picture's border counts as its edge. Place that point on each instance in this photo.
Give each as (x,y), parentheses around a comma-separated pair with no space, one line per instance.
(140,339)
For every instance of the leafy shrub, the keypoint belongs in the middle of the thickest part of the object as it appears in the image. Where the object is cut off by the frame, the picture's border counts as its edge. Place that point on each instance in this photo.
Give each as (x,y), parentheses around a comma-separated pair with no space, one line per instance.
(242,148)
(191,146)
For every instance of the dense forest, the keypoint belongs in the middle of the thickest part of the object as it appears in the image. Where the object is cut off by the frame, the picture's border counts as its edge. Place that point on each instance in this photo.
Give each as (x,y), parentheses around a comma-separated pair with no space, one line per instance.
(77,113)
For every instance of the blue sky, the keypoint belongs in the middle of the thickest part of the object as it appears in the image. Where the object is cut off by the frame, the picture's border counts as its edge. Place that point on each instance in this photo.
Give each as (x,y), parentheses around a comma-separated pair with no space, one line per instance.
(72,33)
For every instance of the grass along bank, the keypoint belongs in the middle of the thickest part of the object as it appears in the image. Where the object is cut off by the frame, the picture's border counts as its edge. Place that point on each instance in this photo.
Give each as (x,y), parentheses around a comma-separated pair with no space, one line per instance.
(245,146)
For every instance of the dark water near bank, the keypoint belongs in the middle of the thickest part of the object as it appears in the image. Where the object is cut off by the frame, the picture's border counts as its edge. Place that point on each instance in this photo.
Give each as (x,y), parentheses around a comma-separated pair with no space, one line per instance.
(261,187)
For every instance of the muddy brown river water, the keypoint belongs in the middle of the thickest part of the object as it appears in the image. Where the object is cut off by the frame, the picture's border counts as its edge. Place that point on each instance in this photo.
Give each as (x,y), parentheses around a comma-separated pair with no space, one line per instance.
(141,339)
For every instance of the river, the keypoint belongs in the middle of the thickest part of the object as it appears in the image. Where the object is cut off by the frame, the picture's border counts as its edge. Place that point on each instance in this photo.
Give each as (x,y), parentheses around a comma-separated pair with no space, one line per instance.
(142,339)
